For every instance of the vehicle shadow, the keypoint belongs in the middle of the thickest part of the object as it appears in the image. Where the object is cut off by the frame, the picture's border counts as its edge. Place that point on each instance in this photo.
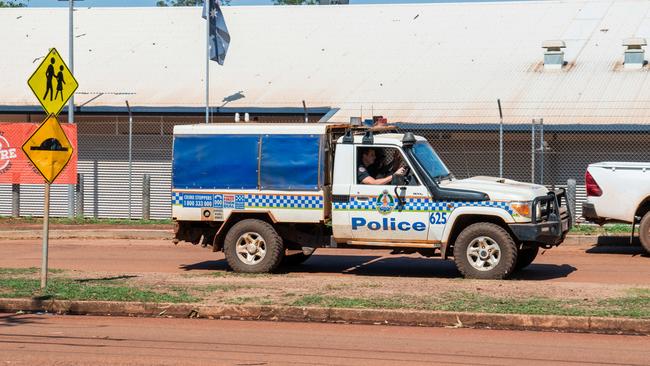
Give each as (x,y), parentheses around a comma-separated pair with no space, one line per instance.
(396,266)
(12,320)
(393,266)
(215,265)
(543,272)
(618,245)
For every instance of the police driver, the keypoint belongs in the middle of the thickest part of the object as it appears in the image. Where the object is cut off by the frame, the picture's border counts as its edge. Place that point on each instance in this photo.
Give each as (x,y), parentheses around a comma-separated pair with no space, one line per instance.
(368,158)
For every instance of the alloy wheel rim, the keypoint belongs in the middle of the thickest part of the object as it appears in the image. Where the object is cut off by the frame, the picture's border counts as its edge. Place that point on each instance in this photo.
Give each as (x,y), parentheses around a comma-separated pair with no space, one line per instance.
(251,248)
(484,253)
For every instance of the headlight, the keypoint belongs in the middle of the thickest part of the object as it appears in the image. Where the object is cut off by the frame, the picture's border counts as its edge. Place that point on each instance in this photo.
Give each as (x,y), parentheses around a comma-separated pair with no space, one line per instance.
(521,208)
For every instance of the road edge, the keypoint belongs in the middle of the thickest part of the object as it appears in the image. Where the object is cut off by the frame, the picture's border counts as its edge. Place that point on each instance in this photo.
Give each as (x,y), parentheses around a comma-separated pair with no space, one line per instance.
(333,315)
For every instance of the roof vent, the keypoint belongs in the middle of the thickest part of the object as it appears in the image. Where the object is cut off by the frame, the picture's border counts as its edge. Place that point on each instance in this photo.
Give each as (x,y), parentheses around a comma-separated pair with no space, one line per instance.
(553,56)
(634,53)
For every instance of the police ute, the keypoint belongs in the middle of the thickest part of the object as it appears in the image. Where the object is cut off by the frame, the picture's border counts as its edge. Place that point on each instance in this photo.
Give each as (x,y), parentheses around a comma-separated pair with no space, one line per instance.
(270,194)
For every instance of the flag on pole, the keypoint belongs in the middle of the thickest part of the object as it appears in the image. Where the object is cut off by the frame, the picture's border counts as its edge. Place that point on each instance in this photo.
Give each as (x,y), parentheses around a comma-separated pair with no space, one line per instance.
(219,36)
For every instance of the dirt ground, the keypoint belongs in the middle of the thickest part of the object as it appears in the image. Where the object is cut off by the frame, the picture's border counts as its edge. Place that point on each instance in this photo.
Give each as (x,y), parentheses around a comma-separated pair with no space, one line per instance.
(607,268)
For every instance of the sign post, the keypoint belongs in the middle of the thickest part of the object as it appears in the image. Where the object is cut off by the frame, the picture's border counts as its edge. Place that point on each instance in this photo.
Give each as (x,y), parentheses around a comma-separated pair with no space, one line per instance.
(48,148)
(46,235)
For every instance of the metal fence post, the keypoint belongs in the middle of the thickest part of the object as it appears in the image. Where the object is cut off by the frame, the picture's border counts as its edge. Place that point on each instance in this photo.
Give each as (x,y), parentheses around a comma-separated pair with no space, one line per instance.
(500,139)
(571,198)
(79,209)
(15,200)
(532,153)
(95,189)
(128,107)
(542,148)
(146,197)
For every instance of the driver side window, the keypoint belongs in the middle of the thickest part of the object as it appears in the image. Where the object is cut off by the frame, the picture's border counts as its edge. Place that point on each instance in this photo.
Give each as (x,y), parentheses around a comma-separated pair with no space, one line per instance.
(381,164)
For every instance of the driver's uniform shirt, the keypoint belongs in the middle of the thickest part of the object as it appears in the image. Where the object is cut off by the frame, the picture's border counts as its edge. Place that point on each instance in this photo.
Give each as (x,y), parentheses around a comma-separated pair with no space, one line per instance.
(362,173)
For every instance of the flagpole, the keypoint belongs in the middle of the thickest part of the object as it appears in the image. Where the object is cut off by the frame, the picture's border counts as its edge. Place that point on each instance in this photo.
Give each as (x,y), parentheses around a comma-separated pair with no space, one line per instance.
(207,60)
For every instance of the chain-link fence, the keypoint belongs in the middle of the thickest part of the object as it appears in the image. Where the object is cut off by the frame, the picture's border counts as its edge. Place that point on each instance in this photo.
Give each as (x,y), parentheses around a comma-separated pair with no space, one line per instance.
(541,153)
(535,152)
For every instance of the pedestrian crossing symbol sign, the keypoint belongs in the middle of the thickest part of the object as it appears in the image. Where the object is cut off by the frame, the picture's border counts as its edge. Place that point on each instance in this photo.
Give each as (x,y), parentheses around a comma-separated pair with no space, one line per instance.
(52,83)
(49,149)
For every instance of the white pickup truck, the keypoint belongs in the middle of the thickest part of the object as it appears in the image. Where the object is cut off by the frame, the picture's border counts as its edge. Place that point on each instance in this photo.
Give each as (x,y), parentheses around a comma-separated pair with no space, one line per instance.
(262,191)
(619,192)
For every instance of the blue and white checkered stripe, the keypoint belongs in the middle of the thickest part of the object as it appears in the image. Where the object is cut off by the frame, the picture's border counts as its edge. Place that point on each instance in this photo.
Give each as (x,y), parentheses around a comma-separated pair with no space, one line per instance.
(422,204)
(283,201)
(177,198)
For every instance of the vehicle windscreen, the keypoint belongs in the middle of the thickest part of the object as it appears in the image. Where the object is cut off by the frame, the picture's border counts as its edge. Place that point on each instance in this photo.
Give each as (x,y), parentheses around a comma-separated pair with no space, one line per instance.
(430,161)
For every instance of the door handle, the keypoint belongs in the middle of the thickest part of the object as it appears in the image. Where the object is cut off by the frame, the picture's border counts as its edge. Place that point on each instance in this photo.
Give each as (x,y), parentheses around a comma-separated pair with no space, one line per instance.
(362,198)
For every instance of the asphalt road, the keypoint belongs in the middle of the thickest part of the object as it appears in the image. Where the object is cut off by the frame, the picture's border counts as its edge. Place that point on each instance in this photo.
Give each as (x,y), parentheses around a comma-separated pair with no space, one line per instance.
(606,260)
(85,340)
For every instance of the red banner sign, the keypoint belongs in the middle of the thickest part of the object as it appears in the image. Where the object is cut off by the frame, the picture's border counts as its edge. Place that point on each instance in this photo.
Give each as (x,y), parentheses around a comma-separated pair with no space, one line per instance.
(15,166)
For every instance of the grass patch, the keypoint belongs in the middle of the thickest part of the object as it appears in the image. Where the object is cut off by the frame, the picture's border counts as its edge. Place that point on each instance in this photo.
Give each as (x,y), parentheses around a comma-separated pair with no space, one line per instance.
(350,302)
(18,271)
(26,271)
(467,302)
(635,304)
(601,230)
(222,274)
(69,289)
(85,221)
(248,300)
(226,288)
(241,300)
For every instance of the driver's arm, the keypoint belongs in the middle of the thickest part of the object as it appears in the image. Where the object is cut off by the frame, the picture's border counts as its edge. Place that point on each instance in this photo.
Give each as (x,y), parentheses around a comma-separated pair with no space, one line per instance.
(364,177)
(380,181)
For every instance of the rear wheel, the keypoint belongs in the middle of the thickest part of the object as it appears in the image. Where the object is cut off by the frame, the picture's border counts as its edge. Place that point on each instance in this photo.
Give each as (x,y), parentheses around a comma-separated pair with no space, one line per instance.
(485,251)
(526,256)
(644,231)
(253,246)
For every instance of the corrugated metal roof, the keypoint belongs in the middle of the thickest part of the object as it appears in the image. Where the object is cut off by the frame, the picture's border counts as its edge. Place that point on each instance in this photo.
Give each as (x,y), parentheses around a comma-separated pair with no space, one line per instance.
(411,63)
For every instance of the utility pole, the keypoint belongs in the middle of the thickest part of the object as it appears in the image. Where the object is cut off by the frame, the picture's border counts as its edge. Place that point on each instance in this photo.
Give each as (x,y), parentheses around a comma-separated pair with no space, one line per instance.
(71,187)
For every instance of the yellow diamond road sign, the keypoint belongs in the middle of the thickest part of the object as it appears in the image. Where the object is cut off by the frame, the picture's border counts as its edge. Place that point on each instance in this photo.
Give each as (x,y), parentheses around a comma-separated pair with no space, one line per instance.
(53,83)
(49,149)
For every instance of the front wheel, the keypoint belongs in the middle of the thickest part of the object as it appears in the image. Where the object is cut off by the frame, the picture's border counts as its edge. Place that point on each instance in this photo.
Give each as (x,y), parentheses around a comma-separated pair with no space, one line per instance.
(485,251)
(253,246)
(644,232)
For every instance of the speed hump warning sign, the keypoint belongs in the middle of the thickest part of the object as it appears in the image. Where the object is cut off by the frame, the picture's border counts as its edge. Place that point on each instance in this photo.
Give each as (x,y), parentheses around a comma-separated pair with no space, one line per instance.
(52,83)
(49,149)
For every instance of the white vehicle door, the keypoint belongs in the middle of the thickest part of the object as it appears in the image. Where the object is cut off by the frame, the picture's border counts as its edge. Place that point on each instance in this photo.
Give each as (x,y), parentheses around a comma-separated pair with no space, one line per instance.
(386,212)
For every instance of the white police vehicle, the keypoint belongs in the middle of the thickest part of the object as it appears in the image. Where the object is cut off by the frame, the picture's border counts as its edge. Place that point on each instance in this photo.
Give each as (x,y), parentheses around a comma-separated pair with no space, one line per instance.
(268,194)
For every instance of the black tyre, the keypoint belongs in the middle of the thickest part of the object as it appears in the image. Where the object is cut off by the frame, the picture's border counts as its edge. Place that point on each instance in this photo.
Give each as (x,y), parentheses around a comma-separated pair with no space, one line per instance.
(294,259)
(485,251)
(525,257)
(644,232)
(253,246)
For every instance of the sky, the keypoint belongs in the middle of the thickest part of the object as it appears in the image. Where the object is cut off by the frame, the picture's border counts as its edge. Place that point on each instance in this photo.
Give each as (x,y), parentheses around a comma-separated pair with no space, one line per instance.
(141,3)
